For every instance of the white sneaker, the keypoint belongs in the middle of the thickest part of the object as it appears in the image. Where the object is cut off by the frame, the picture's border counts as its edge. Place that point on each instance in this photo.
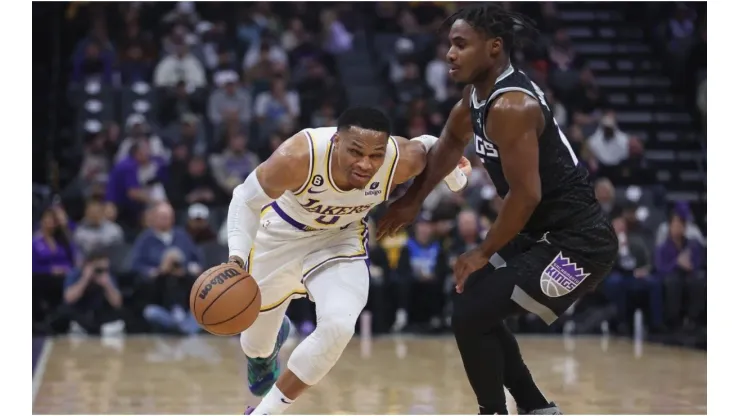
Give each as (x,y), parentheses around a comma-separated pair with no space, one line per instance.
(401,320)
(113,328)
(76,329)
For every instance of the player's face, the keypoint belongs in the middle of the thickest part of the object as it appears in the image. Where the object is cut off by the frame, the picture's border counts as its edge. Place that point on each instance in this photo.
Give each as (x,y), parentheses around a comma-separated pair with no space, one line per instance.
(470,54)
(360,153)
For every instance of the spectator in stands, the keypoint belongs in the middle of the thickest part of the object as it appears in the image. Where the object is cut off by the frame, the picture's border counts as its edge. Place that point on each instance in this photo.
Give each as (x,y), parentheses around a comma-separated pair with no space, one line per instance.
(411,86)
(95,231)
(92,299)
(198,227)
(561,52)
(632,276)
(228,102)
(423,268)
(178,102)
(326,115)
(604,191)
(609,145)
(337,39)
(234,164)
(134,67)
(693,232)
(576,140)
(167,262)
(586,102)
(271,106)
(95,160)
(94,62)
(294,35)
(180,67)
(680,261)
(196,185)
(436,73)
(54,255)
(138,129)
(265,52)
(135,183)
(380,274)
(468,233)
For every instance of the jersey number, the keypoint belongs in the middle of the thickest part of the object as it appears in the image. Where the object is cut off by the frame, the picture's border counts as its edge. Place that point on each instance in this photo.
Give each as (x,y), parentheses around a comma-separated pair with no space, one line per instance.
(484,148)
(566,143)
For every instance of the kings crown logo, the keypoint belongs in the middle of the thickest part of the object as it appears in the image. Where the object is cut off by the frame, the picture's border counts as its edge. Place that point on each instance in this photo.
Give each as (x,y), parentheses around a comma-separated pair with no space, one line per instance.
(561,277)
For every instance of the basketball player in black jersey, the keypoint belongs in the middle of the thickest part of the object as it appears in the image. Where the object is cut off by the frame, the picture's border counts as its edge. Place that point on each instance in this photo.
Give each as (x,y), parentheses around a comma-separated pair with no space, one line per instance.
(550,243)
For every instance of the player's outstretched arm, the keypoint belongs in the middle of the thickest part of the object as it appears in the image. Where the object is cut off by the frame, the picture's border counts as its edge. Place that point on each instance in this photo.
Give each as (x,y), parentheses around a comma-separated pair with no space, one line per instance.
(440,162)
(285,170)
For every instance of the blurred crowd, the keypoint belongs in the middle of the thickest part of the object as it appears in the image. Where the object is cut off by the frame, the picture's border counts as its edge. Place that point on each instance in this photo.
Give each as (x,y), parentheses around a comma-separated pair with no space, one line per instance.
(176,103)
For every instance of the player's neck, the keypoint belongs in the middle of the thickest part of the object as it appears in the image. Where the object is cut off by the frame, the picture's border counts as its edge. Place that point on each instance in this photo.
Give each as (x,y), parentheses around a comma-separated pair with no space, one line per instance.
(484,86)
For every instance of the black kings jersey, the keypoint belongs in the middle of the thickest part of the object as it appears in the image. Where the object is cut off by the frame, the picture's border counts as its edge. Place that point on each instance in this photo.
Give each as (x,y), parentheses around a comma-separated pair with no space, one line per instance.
(567,196)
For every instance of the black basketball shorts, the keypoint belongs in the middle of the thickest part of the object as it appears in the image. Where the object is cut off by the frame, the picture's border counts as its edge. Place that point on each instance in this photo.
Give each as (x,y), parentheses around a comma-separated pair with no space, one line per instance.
(542,274)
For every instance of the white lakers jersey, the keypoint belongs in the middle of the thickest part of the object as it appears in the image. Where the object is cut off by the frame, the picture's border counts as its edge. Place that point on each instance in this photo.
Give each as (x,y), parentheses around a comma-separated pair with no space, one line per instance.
(319,203)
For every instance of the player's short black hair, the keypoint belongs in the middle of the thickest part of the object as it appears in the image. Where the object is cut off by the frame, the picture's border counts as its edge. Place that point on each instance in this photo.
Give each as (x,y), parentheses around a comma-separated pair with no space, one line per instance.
(365,118)
(496,22)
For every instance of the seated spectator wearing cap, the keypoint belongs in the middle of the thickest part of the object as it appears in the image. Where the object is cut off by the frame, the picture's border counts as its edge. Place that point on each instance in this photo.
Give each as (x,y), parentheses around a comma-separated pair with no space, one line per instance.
(198,227)
(167,262)
(91,298)
(95,231)
(229,103)
(135,183)
(422,271)
(680,261)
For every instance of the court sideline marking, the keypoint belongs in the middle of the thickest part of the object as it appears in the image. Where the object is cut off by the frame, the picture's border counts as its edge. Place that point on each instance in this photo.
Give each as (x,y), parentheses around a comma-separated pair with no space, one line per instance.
(38,375)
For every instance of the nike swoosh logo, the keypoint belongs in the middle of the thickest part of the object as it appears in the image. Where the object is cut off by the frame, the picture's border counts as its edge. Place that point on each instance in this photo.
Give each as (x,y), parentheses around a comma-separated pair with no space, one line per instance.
(284,401)
(311,191)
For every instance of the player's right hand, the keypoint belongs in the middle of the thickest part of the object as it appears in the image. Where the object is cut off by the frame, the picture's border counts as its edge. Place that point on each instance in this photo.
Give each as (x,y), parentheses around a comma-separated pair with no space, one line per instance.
(399,214)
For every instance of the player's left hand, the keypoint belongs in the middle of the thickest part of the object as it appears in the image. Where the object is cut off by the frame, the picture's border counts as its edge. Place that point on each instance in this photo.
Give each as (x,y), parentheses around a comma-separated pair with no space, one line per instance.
(466,264)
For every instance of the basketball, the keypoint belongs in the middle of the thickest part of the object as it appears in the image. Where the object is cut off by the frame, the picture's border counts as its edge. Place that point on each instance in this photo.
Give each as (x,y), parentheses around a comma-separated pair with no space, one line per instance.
(225,300)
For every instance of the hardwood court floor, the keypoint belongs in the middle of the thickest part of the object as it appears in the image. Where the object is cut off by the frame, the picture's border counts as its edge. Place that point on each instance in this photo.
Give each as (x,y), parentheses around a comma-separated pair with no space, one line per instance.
(206,375)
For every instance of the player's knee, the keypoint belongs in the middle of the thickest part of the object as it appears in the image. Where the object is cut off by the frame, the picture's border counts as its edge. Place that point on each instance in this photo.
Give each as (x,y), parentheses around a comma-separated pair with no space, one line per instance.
(467,319)
(337,330)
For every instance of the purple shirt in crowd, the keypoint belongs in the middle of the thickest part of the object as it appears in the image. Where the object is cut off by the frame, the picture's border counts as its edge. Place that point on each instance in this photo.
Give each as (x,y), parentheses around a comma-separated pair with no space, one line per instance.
(125,176)
(666,256)
(44,258)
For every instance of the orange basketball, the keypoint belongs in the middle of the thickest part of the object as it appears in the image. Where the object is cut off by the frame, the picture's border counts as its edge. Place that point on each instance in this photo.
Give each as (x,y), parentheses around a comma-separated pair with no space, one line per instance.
(225,300)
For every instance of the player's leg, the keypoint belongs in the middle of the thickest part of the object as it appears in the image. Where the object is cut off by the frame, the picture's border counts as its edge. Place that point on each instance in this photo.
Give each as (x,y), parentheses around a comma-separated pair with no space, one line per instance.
(261,344)
(517,378)
(340,292)
(541,281)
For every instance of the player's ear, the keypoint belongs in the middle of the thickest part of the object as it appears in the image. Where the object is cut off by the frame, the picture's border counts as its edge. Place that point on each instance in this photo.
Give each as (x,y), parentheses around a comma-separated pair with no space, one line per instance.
(494,46)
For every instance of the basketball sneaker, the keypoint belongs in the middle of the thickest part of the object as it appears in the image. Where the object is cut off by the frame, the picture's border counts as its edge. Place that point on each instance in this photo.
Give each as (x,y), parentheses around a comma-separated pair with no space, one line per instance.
(263,372)
(552,409)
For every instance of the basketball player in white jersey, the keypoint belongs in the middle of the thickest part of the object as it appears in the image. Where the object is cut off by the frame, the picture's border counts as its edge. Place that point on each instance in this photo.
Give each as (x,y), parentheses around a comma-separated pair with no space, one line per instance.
(297,224)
